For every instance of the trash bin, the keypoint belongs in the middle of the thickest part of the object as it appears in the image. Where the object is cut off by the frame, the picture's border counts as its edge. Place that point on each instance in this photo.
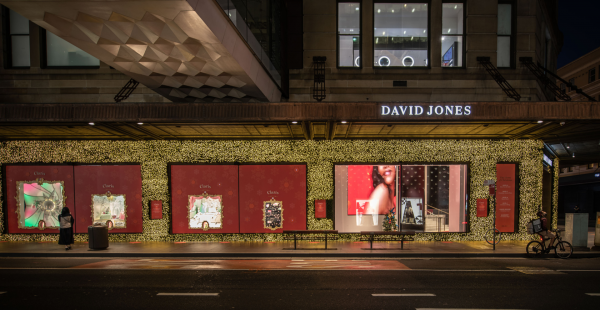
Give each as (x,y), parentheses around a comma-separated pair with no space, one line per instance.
(98,236)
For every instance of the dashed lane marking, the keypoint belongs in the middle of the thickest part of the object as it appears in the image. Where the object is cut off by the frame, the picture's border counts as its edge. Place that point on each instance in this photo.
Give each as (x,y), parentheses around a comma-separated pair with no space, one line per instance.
(188,294)
(403,295)
(535,270)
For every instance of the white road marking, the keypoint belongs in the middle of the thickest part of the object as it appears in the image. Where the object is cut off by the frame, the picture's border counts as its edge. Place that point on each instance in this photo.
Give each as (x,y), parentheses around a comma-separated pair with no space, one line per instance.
(593,294)
(299,263)
(188,294)
(331,260)
(463,309)
(403,295)
(579,270)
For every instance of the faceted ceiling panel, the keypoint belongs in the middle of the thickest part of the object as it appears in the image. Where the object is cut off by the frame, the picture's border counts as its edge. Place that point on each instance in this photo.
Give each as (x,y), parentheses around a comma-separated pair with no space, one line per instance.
(185,50)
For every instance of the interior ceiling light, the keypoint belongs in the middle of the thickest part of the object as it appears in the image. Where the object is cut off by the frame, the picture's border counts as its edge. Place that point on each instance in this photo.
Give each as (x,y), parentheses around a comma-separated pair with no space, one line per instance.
(539,122)
(384,33)
(442,38)
(357,9)
(455,7)
(424,31)
(91,124)
(404,31)
(294,122)
(573,154)
(140,123)
(344,122)
(392,11)
(378,10)
(449,30)
(413,10)
(405,5)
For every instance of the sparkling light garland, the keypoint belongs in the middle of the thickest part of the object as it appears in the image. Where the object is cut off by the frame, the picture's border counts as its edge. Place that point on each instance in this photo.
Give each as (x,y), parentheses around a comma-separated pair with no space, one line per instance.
(320,156)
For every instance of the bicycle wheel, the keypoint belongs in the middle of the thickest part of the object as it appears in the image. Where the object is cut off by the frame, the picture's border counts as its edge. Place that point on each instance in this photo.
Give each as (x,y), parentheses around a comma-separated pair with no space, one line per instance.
(489,236)
(563,249)
(534,249)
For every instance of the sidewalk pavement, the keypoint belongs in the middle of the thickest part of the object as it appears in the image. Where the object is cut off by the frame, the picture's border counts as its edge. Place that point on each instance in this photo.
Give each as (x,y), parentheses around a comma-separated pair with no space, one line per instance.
(277,249)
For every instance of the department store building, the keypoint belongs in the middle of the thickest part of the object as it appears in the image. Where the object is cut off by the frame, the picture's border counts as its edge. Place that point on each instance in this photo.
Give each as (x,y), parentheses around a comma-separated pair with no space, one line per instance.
(227,120)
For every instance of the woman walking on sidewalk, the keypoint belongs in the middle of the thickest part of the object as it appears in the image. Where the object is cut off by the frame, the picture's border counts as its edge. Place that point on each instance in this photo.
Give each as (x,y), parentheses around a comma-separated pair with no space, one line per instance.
(66,228)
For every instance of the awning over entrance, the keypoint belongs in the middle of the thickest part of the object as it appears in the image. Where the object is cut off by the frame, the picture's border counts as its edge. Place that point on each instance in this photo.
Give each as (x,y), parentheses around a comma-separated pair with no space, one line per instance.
(188,51)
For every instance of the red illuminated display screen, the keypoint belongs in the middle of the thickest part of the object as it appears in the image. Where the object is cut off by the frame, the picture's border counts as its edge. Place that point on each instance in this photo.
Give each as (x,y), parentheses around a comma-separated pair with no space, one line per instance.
(217,182)
(263,183)
(109,194)
(36,196)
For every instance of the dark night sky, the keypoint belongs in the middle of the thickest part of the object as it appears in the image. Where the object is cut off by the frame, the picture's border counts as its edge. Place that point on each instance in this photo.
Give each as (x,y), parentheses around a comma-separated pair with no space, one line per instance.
(578,21)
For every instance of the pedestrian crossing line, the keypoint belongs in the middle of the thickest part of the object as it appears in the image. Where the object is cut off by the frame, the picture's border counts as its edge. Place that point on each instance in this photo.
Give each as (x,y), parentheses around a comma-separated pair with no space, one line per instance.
(188,294)
(593,294)
(404,295)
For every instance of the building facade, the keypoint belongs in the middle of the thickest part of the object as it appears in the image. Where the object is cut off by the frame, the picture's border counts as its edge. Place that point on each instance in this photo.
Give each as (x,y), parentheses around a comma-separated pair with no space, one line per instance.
(237,131)
(583,73)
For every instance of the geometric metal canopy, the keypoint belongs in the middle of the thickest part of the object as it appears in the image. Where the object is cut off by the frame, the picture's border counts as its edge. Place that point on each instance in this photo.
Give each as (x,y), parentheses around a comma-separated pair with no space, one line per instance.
(187,51)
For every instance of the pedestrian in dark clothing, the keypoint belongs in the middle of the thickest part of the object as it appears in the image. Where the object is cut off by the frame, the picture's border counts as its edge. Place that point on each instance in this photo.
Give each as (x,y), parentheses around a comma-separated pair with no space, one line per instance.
(66,221)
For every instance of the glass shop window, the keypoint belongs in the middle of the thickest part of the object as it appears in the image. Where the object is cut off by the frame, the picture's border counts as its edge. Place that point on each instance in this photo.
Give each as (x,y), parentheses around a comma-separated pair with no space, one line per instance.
(401,35)
(592,75)
(60,53)
(452,34)
(504,35)
(348,36)
(391,197)
(19,40)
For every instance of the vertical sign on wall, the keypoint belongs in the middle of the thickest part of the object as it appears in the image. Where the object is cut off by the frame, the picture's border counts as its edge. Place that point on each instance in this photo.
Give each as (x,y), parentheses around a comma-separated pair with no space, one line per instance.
(156,209)
(482,207)
(320,209)
(505,197)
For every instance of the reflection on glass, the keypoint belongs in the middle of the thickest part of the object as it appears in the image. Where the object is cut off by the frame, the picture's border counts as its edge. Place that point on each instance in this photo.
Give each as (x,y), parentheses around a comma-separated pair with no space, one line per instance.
(19,40)
(61,53)
(401,34)
(452,31)
(349,34)
(504,33)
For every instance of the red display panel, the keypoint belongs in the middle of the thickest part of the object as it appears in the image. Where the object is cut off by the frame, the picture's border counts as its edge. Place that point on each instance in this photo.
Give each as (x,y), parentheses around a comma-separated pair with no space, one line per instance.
(482,207)
(362,192)
(122,181)
(35,205)
(320,209)
(260,183)
(195,180)
(156,210)
(505,197)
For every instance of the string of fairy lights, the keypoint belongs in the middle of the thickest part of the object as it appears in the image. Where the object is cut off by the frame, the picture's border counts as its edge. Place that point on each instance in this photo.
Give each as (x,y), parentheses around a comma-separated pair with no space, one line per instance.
(320,157)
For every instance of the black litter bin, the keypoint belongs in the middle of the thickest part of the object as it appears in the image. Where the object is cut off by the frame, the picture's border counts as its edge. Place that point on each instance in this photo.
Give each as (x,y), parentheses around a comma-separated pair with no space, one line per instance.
(98,235)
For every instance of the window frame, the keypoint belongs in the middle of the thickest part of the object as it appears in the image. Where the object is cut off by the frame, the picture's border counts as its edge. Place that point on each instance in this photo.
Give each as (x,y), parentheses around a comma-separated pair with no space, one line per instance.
(7,40)
(591,78)
(44,56)
(464,35)
(513,29)
(337,35)
(428,2)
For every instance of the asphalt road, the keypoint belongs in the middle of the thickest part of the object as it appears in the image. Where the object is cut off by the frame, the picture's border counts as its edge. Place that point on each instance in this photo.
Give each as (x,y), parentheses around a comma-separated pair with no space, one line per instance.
(449,283)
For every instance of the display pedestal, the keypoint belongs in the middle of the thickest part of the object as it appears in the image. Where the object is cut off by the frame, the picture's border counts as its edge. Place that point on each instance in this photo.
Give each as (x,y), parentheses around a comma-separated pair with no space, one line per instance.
(576,230)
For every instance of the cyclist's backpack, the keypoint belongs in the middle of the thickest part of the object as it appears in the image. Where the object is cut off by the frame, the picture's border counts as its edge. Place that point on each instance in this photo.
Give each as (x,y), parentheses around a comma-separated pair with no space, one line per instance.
(535,226)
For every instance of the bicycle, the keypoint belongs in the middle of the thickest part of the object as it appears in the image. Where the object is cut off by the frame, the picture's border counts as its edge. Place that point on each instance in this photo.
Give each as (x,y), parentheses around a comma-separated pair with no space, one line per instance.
(489,236)
(563,249)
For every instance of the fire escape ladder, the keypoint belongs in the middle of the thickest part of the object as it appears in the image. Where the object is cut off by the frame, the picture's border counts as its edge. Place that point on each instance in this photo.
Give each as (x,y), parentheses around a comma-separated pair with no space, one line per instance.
(319,84)
(540,74)
(489,67)
(571,86)
(126,90)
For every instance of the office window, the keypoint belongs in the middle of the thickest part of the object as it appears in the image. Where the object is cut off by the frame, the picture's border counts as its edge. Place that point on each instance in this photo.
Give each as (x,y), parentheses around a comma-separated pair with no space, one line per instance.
(60,53)
(349,44)
(504,34)
(592,75)
(401,34)
(18,27)
(452,35)
(572,82)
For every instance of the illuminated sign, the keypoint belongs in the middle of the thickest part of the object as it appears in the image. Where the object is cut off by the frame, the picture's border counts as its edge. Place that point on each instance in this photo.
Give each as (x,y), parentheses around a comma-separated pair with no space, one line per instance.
(425,110)
(547,160)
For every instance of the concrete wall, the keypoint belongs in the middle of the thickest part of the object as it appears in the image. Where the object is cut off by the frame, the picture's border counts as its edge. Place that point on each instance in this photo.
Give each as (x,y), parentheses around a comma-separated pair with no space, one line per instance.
(534,23)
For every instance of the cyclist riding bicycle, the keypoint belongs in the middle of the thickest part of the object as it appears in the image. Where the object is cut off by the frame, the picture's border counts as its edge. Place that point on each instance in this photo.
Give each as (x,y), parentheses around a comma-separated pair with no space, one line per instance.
(545,233)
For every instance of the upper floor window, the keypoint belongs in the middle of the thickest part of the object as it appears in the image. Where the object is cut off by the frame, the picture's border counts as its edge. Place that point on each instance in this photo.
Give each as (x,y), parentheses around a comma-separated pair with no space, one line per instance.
(18,40)
(563,86)
(505,34)
(401,34)
(572,82)
(592,75)
(452,34)
(60,53)
(348,34)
